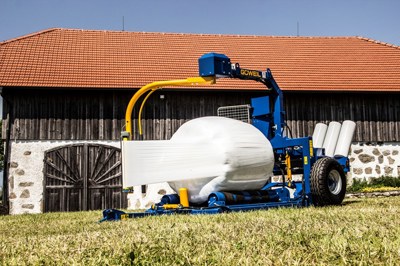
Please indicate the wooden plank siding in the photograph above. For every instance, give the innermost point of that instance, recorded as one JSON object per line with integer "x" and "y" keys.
{"x": 100, "y": 114}
{"x": 49, "y": 114}
{"x": 377, "y": 115}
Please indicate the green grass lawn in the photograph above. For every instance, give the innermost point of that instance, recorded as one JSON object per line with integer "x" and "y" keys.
{"x": 361, "y": 232}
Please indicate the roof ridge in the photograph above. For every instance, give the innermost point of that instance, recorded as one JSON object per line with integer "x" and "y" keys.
{"x": 378, "y": 42}
{"x": 204, "y": 34}
{"x": 244, "y": 35}
{"x": 180, "y": 33}
{"x": 29, "y": 35}
{"x": 215, "y": 34}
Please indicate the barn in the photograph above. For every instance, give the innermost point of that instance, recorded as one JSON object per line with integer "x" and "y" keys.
{"x": 65, "y": 92}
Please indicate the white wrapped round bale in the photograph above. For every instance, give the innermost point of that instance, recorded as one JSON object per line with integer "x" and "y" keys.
{"x": 242, "y": 155}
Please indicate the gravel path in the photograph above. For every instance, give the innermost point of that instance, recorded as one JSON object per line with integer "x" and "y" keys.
{"x": 373, "y": 194}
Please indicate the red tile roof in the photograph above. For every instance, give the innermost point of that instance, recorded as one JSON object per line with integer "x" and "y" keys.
{"x": 117, "y": 59}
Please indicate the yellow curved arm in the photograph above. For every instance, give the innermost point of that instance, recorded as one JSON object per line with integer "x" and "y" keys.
{"x": 157, "y": 85}
{"x": 141, "y": 110}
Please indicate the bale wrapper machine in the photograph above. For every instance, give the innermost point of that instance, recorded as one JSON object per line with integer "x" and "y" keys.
{"x": 323, "y": 178}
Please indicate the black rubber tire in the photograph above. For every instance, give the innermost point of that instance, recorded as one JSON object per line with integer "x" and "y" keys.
{"x": 322, "y": 185}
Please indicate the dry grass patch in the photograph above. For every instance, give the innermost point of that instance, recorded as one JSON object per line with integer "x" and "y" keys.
{"x": 362, "y": 232}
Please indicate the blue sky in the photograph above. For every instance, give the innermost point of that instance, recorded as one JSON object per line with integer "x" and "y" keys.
{"x": 376, "y": 19}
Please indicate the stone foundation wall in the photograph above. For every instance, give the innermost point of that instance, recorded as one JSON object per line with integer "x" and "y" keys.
{"x": 26, "y": 179}
{"x": 26, "y": 172}
{"x": 138, "y": 200}
{"x": 370, "y": 161}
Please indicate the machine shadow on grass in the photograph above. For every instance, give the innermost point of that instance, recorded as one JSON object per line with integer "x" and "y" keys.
{"x": 349, "y": 202}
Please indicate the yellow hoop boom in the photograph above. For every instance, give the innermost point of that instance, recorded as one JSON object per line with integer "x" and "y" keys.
{"x": 158, "y": 85}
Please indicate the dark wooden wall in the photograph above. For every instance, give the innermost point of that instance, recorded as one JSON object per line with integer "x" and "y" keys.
{"x": 52, "y": 114}
{"x": 377, "y": 115}
{"x": 100, "y": 114}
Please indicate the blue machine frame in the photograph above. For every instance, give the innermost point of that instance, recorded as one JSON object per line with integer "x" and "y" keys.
{"x": 268, "y": 116}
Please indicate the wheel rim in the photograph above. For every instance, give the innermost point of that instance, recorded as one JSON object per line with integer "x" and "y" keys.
{"x": 334, "y": 182}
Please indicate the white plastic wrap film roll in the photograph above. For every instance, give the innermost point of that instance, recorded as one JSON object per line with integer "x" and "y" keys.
{"x": 331, "y": 138}
{"x": 319, "y": 135}
{"x": 205, "y": 155}
{"x": 345, "y": 138}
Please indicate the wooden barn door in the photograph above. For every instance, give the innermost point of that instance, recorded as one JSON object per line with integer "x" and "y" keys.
{"x": 83, "y": 177}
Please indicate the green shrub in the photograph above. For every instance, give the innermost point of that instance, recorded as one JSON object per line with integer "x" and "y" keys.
{"x": 360, "y": 185}
{"x": 386, "y": 181}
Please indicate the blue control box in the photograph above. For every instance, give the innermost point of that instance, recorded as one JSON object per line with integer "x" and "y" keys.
{"x": 213, "y": 64}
